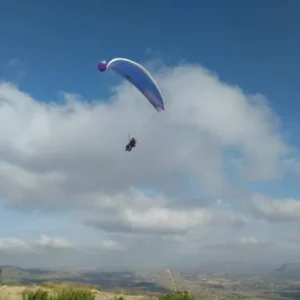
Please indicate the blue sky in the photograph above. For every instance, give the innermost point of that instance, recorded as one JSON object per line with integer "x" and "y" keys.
{"x": 254, "y": 44}
{"x": 48, "y": 50}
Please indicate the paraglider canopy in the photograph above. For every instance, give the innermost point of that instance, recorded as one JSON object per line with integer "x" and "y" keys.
{"x": 137, "y": 75}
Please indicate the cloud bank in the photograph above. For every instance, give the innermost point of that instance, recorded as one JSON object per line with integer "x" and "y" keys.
{"x": 196, "y": 158}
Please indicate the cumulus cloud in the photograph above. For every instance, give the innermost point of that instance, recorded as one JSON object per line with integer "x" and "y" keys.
{"x": 13, "y": 244}
{"x": 44, "y": 243}
{"x": 111, "y": 245}
{"x": 276, "y": 210}
{"x": 249, "y": 240}
{"x": 71, "y": 156}
{"x": 71, "y": 148}
{"x": 132, "y": 212}
{"x": 53, "y": 242}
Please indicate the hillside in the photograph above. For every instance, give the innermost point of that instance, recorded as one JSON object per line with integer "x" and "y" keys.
{"x": 107, "y": 281}
{"x": 149, "y": 285}
{"x": 15, "y": 293}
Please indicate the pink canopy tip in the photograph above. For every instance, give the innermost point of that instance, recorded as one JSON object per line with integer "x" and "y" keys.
{"x": 102, "y": 66}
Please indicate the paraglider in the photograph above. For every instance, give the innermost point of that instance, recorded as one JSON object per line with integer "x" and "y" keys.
{"x": 139, "y": 77}
{"x": 131, "y": 144}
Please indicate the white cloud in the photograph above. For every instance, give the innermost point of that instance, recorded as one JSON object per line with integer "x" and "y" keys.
{"x": 276, "y": 210}
{"x": 11, "y": 244}
{"x": 111, "y": 245}
{"x": 43, "y": 243}
{"x": 204, "y": 117}
{"x": 249, "y": 240}
{"x": 71, "y": 156}
{"x": 53, "y": 242}
{"x": 134, "y": 213}
{"x": 164, "y": 220}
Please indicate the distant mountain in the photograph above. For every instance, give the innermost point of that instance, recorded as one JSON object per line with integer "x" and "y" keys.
{"x": 105, "y": 280}
{"x": 290, "y": 268}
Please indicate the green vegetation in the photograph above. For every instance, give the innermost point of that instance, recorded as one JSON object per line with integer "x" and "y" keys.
{"x": 35, "y": 295}
{"x": 177, "y": 296}
{"x": 59, "y": 294}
